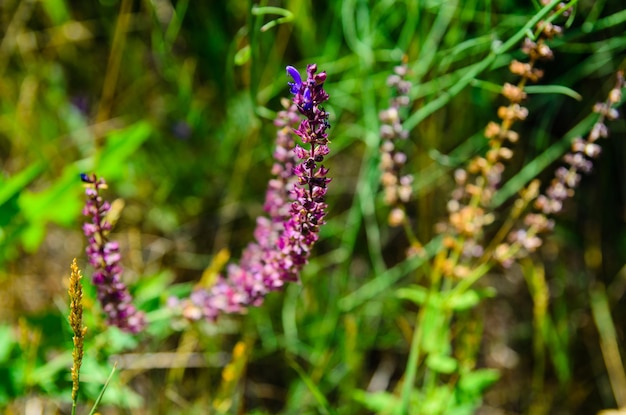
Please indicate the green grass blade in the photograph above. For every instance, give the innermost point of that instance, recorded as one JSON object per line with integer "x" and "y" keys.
{"x": 104, "y": 387}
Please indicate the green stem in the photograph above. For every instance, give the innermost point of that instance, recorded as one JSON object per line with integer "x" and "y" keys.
{"x": 412, "y": 364}
{"x": 468, "y": 281}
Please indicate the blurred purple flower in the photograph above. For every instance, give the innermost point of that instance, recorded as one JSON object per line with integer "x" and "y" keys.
{"x": 182, "y": 130}
{"x": 81, "y": 103}
{"x": 104, "y": 256}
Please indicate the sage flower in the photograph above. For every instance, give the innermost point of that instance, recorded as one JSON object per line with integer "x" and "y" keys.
{"x": 294, "y": 203}
{"x": 104, "y": 256}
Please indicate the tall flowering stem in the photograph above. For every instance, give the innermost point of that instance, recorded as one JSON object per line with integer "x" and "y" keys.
{"x": 104, "y": 256}
{"x": 527, "y": 237}
{"x": 294, "y": 203}
{"x": 469, "y": 210}
{"x": 397, "y": 189}
{"x": 75, "y": 292}
{"x": 308, "y": 209}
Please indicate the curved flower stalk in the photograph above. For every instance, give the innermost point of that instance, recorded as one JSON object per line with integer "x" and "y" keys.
{"x": 397, "y": 189}
{"x": 294, "y": 202}
{"x": 469, "y": 209}
{"x": 579, "y": 160}
{"x": 104, "y": 256}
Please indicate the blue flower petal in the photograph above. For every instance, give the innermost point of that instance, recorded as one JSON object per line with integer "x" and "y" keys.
{"x": 297, "y": 79}
{"x": 308, "y": 101}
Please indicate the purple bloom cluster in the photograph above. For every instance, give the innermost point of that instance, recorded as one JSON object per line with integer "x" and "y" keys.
{"x": 104, "y": 257}
{"x": 294, "y": 203}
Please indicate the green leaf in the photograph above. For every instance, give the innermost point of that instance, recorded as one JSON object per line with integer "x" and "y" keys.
{"x": 376, "y": 401}
{"x": 33, "y": 235}
{"x": 381, "y": 285}
{"x": 242, "y": 56}
{"x": 15, "y": 184}
{"x": 44, "y": 375}
{"x": 56, "y": 202}
{"x": 435, "y": 330}
{"x": 442, "y": 363}
{"x": 324, "y": 405}
{"x": 120, "y": 145}
{"x": 59, "y": 203}
{"x": 152, "y": 287}
{"x": 436, "y": 401}
{"x": 474, "y": 383}
{"x": 259, "y": 11}
{"x": 468, "y": 299}
{"x": 57, "y": 11}
{"x": 553, "y": 89}
{"x": 104, "y": 388}
{"x": 6, "y": 345}
{"x": 118, "y": 341}
{"x": 416, "y": 293}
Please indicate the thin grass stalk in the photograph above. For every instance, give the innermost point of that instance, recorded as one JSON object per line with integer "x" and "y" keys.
{"x": 115, "y": 59}
{"x": 609, "y": 343}
{"x": 535, "y": 278}
{"x": 412, "y": 362}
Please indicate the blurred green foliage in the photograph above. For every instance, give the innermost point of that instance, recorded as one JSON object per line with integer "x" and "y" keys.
{"x": 172, "y": 102}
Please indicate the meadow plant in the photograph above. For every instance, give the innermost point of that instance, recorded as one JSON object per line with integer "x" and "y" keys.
{"x": 476, "y": 237}
{"x": 294, "y": 202}
{"x": 445, "y": 326}
{"x": 579, "y": 160}
{"x": 75, "y": 292}
{"x": 469, "y": 208}
{"x": 397, "y": 187}
{"x": 104, "y": 256}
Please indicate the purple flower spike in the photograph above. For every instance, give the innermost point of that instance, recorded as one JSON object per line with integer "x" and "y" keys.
{"x": 104, "y": 256}
{"x": 294, "y": 202}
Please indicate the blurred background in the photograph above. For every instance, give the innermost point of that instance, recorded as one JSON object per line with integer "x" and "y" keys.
{"x": 173, "y": 103}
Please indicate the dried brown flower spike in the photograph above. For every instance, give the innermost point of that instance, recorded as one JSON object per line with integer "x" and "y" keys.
{"x": 75, "y": 291}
